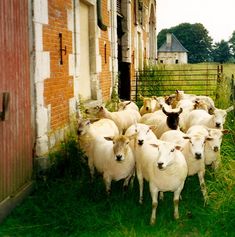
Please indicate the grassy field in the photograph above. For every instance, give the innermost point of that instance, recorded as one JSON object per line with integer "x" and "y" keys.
{"x": 65, "y": 203}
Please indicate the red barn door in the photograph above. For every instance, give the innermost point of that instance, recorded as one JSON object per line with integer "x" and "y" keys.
{"x": 15, "y": 107}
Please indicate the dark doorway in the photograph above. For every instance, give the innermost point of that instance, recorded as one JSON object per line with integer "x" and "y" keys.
{"x": 124, "y": 71}
{"x": 124, "y": 80}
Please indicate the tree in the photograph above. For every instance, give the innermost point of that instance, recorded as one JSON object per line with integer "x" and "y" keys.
{"x": 194, "y": 37}
{"x": 221, "y": 52}
{"x": 232, "y": 43}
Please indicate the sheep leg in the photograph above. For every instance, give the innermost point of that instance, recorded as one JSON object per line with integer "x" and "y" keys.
{"x": 203, "y": 185}
{"x": 176, "y": 201}
{"x": 161, "y": 196}
{"x": 91, "y": 168}
{"x": 154, "y": 195}
{"x": 107, "y": 181}
{"x": 141, "y": 185}
{"x": 216, "y": 163}
{"x": 126, "y": 181}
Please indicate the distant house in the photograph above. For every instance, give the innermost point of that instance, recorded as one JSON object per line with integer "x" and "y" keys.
{"x": 172, "y": 51}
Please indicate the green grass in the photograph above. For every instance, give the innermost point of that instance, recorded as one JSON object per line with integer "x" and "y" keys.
{"x": 67, "y": 204}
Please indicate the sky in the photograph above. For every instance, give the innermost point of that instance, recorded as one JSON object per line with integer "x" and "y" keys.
{"x": 217, "y": 16}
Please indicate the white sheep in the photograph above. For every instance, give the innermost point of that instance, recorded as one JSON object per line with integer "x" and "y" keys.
{"x": 150, "y": 104}
{"x": 201, "y": 117}
{"x": 143, "y": 133}
{"x": 123, "y": 105}
{"x": 165, "y": 168}
{"x": 88, "y": 132}
{"x": 212, "y": 146}
{"x": 123, "y": 119}
{"x": 189, "y": 105}
{"x": 208, "y": 101}
{"x": 179, "y": 95}
{"x": 114, "y": 159}
{"x": 193, "y": 149}
{"x": 163, "y": 120}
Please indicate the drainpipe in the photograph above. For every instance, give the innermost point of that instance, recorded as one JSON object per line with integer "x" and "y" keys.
{"x": 99, "y": 16}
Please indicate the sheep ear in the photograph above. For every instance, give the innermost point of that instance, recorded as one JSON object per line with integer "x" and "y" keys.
{"x": 141, "y": 97}
{"x": 180, "y": 111}
{"x": 178, "y": 147}
{"x": 229, "y": 109}
{"x": 155, "y": 98}
{"x": 132, "y": 136}
{"x": 155, "y": 145}
{"x": 92, "y": 120}
{"x": 125, "y": 104}
{"x": 108, "y": 138}
{"x": 209, "y": 138}
{"x": 225, "y": 131}
{"x": 186, "y": 137}
{"x": 164, "y": 111}
{"x": 152, "y": 127}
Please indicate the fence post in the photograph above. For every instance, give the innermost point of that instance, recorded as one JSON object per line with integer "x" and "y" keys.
{"x": 233, "y": 93}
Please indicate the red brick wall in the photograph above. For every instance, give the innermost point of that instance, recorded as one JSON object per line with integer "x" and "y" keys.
{"x": 105, "y": 75}
{"x": 58, "y": 89}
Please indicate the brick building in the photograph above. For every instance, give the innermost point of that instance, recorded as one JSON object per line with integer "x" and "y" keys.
{"x": 85, "y": 50}
{"x": 55, "y": 54}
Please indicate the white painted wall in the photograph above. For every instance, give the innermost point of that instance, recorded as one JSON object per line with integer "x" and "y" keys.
{"x": 170, "y": 58}
{"x": 41, "y": 72}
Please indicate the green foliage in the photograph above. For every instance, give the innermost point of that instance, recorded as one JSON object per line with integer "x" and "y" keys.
{"x": 67, "y": 161}
{"x": 112, "y": 104}
{"x": 221, "y": 52}
{"x": 194, "y": 37}
{"x": 232, "y": 43}
{"x": 223, "y": 92}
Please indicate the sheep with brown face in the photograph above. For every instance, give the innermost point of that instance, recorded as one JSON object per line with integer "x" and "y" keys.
{"x": 114, "y": 159}
{"x": 150, "y": 104}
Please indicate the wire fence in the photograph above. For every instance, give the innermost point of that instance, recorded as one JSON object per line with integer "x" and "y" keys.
{"x": 161, "y": 82}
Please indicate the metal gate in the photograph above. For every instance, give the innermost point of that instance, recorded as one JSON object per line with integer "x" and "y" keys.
{"x": 196, "y": 79}
{"x": 15, "y": 107}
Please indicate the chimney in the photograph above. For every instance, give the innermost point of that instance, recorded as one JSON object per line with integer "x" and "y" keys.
{"x": 169, "y": 39}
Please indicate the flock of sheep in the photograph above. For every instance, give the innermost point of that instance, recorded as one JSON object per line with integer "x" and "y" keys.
{"x": 163, "y": 142}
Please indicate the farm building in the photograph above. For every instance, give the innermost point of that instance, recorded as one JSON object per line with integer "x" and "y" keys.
{"x": 172, "y": 51}
{"x": 55, "y": 54}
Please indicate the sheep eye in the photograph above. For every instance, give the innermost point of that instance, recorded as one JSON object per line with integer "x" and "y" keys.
{"x": 172, "y": 150}
{"x": 148, "y": 131}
